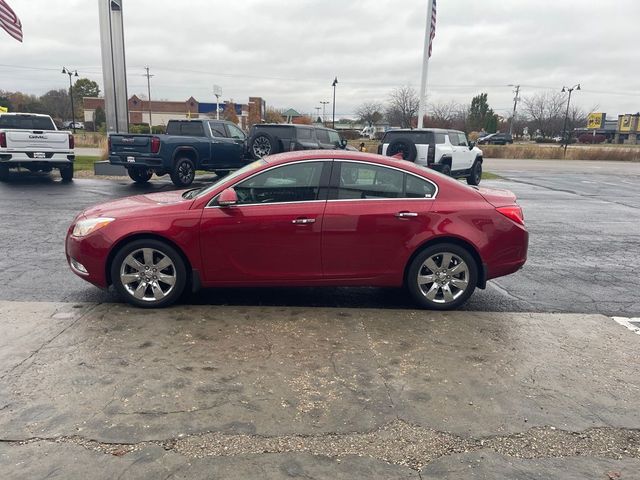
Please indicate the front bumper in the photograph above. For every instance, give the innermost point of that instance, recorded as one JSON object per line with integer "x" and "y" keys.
{"x": 91, "y": 253}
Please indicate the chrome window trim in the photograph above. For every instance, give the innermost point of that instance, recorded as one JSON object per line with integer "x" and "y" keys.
{"x": 433, "y": 197}
{"x": 266, "y": 170}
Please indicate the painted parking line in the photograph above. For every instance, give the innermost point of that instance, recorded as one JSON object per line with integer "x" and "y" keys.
{"x": 632, "y": 324}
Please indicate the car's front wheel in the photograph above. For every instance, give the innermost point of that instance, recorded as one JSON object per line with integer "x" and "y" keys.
{"x": 476, "y": 173}
{"x": 149, "y": 273}
{"x": 140, "y": 175}
{"x": 442, "y": 277}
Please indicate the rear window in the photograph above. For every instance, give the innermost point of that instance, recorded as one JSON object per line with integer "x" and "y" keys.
{"x": 421, "y": 138}
{"x": 305, "y": 134}
{"x": 187, "y": 129}
{"x": 26, "y": 122}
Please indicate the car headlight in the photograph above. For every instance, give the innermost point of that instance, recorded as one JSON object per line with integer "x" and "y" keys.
{"x": 90, "y": 225}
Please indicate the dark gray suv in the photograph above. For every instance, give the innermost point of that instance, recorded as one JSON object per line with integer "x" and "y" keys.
{"x": 269, "y": 138}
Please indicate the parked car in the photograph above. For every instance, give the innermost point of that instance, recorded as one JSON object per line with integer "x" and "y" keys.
{"x": 312, "y": 218}
{"x": 496, "y": 139}
{"x": 32, "y": 141}
{"x": 70, "y": 125}
{"x": 447, "y": 151}
{"x": 269, "y": 138}
{"x": 188, "y": 145}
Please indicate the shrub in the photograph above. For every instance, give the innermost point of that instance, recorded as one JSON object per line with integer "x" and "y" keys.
{"x": 590, "y": 138}
{"x": 350, "y": 134}
{"x": 138, "y": 128}
{"x": 158, "y": 129}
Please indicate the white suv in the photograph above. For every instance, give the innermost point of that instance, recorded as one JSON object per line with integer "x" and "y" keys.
{"x": 447, "y": 151}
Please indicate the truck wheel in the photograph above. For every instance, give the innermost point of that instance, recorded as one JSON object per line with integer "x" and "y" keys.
{"x": 139, "y": 175}
{"x": 183, "y": 172}
{"x": 476, "y": 173}
{"x": 446, "y": 169}
{"x": 262, "y": 145}
{"x": 4, "y": 173}
{"x": 66, "y": 173}
{"x": 405, "y": 146}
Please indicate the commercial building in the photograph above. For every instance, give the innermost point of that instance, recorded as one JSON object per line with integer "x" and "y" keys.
{"x": 163, "y": 111}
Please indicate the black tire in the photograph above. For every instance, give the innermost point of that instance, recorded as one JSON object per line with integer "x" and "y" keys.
{"x": 405, "y": 146}
{"x": 476, "y": 173}
{"x": 139, "y": 175}
{"x": 183, "y": 173}
{"x": 4, "y": 173}
{"x": 446, "y": 169}
{"x": 178, "y": 269}
{"x": 263, "y": 144}
{"x": 470, "y": 275}
{"x": 66, "y": 173}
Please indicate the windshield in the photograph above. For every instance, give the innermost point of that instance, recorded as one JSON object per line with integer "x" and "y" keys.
{"x": 26, "y": 122}
{"x": 204, "y": 190}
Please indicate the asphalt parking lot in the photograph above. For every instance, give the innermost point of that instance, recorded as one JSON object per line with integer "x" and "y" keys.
{"x": 584, "y": 220}
{"x": 532, "y": 381}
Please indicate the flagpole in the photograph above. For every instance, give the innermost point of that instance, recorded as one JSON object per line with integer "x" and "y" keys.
{"x": 422, "y": 109}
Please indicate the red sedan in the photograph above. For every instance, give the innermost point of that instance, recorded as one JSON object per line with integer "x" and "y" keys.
{"x": 312, "y": 218}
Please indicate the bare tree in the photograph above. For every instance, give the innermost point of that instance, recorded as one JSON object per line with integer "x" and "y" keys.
{"x": 443, "y": 115}
{"x": 546, "y": 112}
{"x": 402, "y": 107}
{"x": 370, "y": 113}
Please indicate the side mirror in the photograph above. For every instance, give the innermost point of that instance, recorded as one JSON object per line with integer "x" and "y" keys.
{"x": 343, "y": 143}
{"x": 471, "y": 145}
{"x": 228, "y": 198}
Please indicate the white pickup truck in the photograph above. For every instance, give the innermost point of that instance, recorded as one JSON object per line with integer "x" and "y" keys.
{"x": 32, "y": 141}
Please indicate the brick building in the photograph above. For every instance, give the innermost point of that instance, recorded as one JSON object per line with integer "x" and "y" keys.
{"x": 163, "y": 111}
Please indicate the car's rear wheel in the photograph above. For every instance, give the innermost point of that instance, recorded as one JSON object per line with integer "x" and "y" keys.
{"x": 66, "y": 173}
{"x": 404, "y": 146}
{"x": 183, "y": 173}
{"x": 442, "y": 276}
{"x": 476, "y": 173}
{"x": 262, "y": 145}
{"x": 140, "y": 175}
{"x": 446, "y": 169}
{"x": 149, "y": 273}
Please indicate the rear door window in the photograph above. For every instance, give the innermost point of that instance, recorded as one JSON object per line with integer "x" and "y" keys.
{"x": 305, "y": 134}
{"x": 235, "y": 132}
{"x": 364, "y": 181}
{"x": 323, "y": 136}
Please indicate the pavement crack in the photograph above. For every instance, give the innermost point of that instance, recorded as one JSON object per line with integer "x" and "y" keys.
{"x": 397, "y": 442}
{"x": 47, "y": 342}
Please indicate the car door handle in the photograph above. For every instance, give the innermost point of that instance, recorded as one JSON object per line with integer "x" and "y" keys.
{"x": 406, "y": 214}
{"x": 303, "y": 221}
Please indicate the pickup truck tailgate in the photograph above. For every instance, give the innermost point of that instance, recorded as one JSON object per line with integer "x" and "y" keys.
{"x": 36, "y": 140}
{"x": 130, "y": 143}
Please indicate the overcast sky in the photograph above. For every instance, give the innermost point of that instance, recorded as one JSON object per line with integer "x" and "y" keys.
{"x": 289, "y": 51}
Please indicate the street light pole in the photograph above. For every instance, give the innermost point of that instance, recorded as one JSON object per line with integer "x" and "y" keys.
{"x": 566, "y": 115}
{"x": 335, "y": 82}
{"x": 66, "y": 71}
{"x": 317, "y": 112}
{"x": 324, "y": 115}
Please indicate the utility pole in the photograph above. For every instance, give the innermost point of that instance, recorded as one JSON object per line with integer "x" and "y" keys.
{"x": 324, "y": 115}
{"x": 334, "y": 84}
{"x": 565, "y": 135}
{"x": 148, "y": 75}
{"x": 515, "y": 106}
{"x": 66, "y": 71}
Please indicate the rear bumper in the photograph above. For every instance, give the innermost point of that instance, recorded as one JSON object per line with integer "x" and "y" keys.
{"x": 136, "y": 161}
{"x": 53, "y": 159}
{"x": 512, "y": 257}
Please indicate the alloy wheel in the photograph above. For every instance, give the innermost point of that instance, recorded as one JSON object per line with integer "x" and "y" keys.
{"x": 148, "y": 274}
{"x": 261, "y": 147}
{"x": 443, "y": 277}
{"x": 185, "y": 172}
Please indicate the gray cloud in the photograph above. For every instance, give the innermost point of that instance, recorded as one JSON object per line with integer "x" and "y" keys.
{"x": 288, "y": 51}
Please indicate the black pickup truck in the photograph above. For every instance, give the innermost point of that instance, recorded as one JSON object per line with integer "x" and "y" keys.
{"x": 188, "y": 145}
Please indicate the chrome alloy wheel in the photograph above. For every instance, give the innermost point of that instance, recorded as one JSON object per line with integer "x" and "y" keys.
{"x": 443, "y": 277}
{"x": 261, "y": 146}
{"x": 148, "y": 274}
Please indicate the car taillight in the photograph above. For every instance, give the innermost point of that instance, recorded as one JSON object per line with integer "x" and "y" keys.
{"x": 155, "y": 145}
{"x": 3, "y": 140}
{"x": 431, "y": 154}
{"x": 72, "y": 142}
{"x": 513, "y": 212}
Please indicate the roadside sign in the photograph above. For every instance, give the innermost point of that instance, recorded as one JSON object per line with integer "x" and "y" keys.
{"x": 595, "y": 120}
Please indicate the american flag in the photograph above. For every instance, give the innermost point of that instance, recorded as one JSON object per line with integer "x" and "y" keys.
{"x": 10, "y": 21}
{"x": 433, "y": 27}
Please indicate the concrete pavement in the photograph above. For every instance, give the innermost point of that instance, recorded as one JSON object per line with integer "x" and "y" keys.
{"x": 269, "y": 392}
